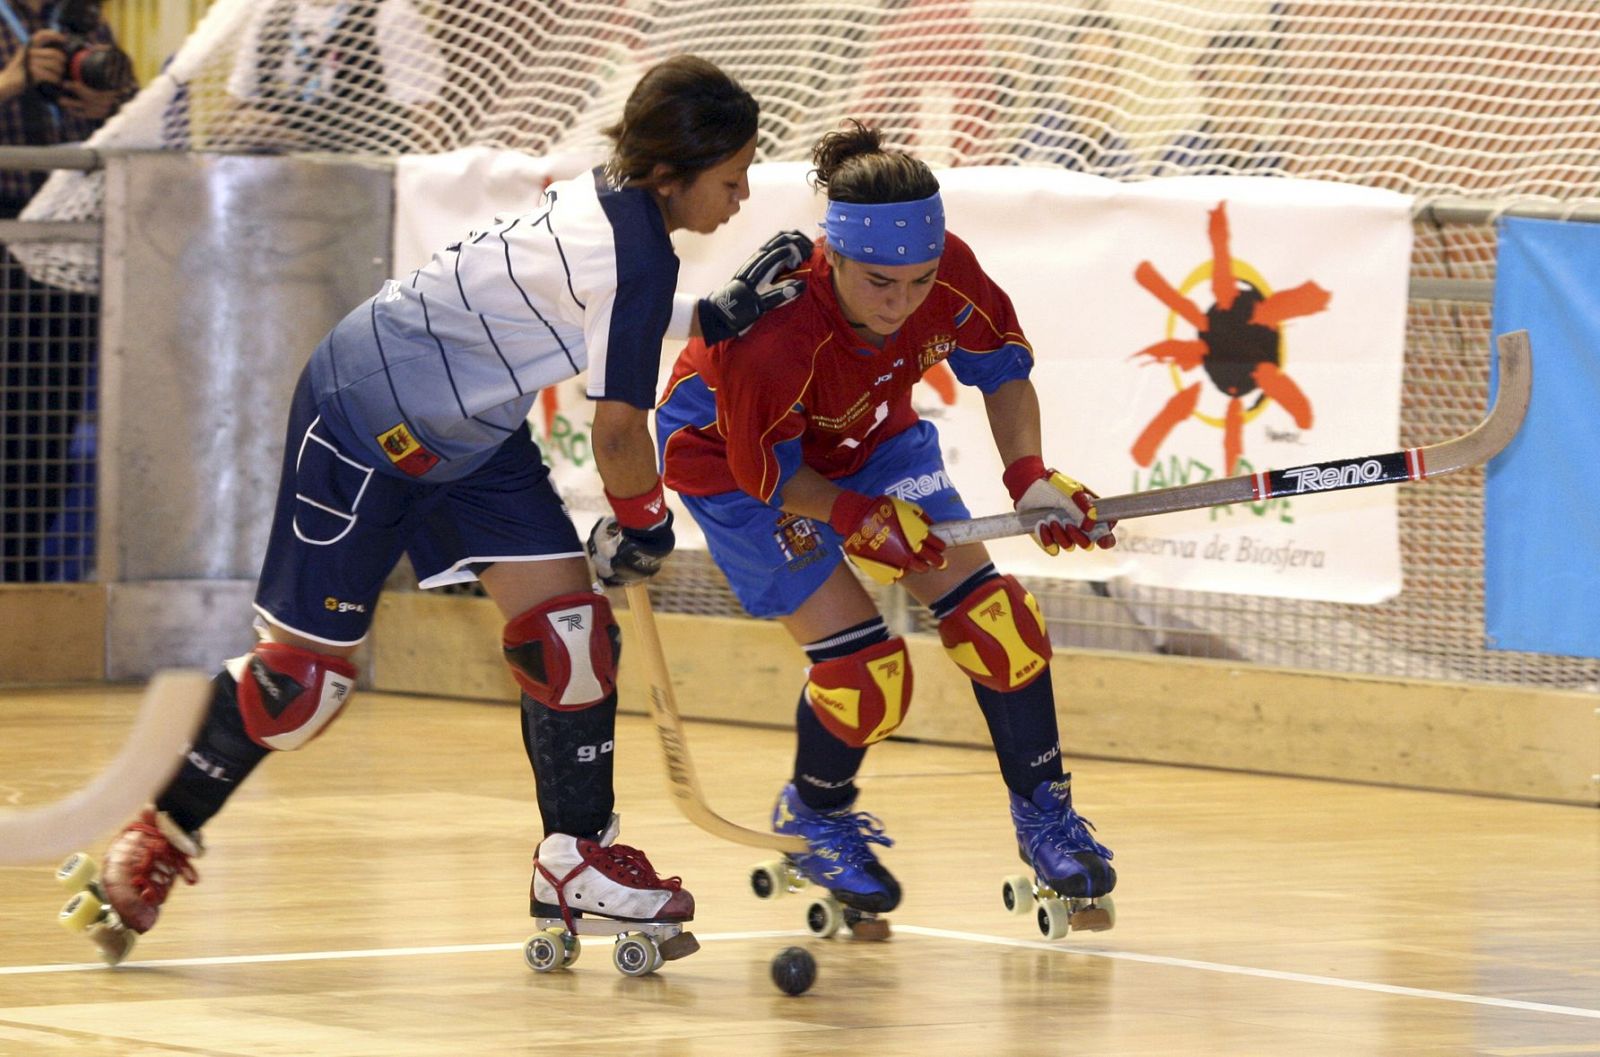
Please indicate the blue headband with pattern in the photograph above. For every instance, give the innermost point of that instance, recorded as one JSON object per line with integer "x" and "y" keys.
{"x": 887, "y": 232}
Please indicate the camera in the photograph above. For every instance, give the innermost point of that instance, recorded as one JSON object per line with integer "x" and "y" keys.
{"x": 103, "y": 67}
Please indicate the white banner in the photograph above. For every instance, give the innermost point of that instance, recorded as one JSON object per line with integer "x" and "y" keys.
{"x": 1144, "y": 380}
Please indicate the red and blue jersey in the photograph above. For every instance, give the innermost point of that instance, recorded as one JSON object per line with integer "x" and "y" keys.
{"x": 802, "y": 388}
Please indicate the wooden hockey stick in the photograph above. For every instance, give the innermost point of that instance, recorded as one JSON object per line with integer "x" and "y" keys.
{"x": 682, "y": 780}
{"x": 1412, "y": 464}
{"x": 174, "y": 703}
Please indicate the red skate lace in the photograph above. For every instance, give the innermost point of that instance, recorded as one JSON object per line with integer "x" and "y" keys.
{"x": 157, "y": 864}
{"x": 628, "y": 865}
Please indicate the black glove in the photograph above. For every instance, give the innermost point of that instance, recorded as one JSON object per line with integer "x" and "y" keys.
{"x": 628, "y": 555}
{"x": 734, "y": 309}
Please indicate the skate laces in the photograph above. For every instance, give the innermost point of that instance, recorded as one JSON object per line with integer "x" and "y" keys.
{"x": 848, "y": 833}
{"x": 1063, "y": 829}
{"x": 627, "y": 865}
{"x": 156, "y": 862}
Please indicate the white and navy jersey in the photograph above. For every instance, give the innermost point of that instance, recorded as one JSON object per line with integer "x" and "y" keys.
{"x": 429, "y": 376}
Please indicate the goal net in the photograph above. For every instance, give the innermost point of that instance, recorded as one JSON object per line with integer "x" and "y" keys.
{"x": 1489, "y": 100}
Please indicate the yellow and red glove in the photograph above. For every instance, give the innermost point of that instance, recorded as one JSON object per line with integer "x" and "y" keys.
{"x": 1072, "y": 521}
{"x": 886, "y": 537}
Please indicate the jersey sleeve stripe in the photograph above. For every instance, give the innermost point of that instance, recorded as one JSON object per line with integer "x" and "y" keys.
{"x": 512, "y": 275}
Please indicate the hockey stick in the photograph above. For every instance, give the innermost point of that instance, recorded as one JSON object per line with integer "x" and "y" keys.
{"x": 682, "y": 780}
{"x": 1412, "y": 464}
{"x": 174, "y": 703}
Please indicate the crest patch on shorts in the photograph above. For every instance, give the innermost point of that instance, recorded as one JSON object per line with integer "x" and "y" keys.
{"x": 406, "y": 453}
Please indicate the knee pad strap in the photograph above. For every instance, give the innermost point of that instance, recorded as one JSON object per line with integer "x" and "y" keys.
{"x": 997, "y": 635}
{"x": 861, "y": 698}
{"x": 288, "y": 695}
{"x": 564, "y": 651}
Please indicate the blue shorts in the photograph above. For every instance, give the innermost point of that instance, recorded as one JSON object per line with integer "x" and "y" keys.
{"x": 341, "y": 526}
{"x": 775, "y": 561}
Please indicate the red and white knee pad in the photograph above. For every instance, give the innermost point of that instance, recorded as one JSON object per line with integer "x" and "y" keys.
{"x": 564, "y": 651}
{"x": 997, "y": 635}
{"x": 863, "y": 697}
{"x": 288, "y": 695}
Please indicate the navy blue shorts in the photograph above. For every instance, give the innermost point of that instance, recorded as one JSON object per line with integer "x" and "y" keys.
{"x": 775, "y": 561}
{"x": 341, "y": 526}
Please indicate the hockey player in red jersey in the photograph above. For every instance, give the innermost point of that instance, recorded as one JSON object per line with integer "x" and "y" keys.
{"x": 796, "y": 447}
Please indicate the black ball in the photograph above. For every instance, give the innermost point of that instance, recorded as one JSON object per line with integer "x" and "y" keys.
{"x": 794, "y": 970}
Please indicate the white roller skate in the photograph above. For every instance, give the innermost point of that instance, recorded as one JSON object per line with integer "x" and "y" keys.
{"x": 598, "y": 887}
{"x": 112, "y": 908}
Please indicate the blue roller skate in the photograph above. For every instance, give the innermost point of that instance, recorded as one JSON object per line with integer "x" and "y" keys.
{"x": 1072, "y": 875}
{"x": 840, "y": 860}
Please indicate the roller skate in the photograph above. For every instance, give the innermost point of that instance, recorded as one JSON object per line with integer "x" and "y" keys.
{"x": 619, "y": 891}
{"x": 1072, "y": 875}
{"x": 113, "y": 908}
{"x": 840, "y": 860}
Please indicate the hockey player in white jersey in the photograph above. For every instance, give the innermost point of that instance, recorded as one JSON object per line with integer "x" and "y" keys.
{"x": 408, "y": 434}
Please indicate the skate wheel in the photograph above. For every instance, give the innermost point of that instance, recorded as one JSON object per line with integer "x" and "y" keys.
{"x": 1017, "y": 894}
{"x": 546, "y": 951}
{"x": 824, "y": 917}
{"x": 635, "y": 955}
{"x": 80, "y": 912}
{"x": 77, "y": 871}
{"x": 1054, "y": 919}
{"x": 1093, "y": 915}
{"x": 767, "y": 879}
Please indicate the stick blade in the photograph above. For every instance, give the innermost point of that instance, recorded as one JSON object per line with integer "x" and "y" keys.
{"x": 169, "y": 715}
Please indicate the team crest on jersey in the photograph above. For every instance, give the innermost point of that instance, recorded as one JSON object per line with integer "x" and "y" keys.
{"x": 798, "y": 539}
{"x": 405, "y": 452}
{"x": 937, "y": 348}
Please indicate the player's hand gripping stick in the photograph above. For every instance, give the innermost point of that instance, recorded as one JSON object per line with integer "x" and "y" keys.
{"x": 630, "y": 545}
{"x": 886, "y": 537}
{"x": 754, "y": 290}
{"x": 1070, "y": 520}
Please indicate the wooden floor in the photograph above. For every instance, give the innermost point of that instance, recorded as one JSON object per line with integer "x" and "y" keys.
{"x": 367, "y": 897}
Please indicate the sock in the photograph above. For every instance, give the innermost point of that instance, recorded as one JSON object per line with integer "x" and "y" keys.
{"x": 221, "y": 757}
{"x": 1022, "y": 723}
{"x": 572, "y": 753}
{"x": 825, "y": 767}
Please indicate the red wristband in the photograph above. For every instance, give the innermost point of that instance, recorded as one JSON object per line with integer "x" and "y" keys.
{"x": 1022, "y": 473}
{"x": 849, "y": 510}
{"x": 644, "y": 511}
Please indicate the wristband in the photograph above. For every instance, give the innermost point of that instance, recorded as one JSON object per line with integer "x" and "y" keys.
{"x": 849, "y": 510}
{"x": 644, "y": 511}
{"x": 1022, "y": 473}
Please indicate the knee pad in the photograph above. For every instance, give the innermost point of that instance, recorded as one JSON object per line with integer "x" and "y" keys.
{"x": 997, "y": 635}
{"x": 288, "y": 695}
{"x": 564, "y": 651}
{"x": 861, "y": 698}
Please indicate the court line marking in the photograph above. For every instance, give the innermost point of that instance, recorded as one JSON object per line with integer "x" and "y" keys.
{"x": 900, "y": 929}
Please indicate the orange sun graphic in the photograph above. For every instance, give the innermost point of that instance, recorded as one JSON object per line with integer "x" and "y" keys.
{"x": 1238, "y": 343}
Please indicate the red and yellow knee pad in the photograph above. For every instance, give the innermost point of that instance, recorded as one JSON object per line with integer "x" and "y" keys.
{"x": 863, "y": 697}
{"x": 997, "y": 635}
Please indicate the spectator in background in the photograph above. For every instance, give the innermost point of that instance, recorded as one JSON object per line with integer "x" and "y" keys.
{"x": 929, "y": 82}
{"x": 1235, "y": 75}
{"x": 48, "y": 337}
{"x": 333, "y": 75}
{"x": 1069, "y": 88}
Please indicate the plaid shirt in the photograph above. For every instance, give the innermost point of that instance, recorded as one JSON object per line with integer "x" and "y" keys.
{"x": 17, "y": 187}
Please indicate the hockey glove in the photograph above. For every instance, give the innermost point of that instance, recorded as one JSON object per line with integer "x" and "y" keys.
{"x": 886, "y": 537}
{"x": 630, "y": 545}
{"x": 734, "y": 309}
{"x": 1071, "y": 522}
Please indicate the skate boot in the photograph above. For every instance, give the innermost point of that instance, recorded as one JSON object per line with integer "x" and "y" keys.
{"x": 1072, "y": 875}
{"x": 841, "y": 860}
{"x": 598, "y": 887}
{"x": 142, "y": 864}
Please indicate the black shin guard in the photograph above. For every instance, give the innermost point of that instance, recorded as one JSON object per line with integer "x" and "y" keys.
{"x": 1022, "y": 724}
{"x": 221, "y": 757}
{"x": 571, "y": 753}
